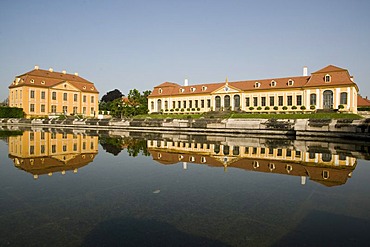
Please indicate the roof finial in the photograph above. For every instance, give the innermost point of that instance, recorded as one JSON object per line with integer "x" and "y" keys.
{"x": 227, "y": 81}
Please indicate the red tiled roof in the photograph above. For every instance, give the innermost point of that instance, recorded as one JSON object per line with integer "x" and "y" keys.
{"x": 362, "y": 102}
{"x": 338, "y": 75}
{"x": 47, "y": 79}
{"x": 329, "y": 68}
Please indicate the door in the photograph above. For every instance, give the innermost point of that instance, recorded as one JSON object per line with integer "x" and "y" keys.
{"x": 236, "y": 103}
{"x": 328, "y": 99}
{"x": 218, "y": 103}
{"x": 159, "y": 105}
{"x": 227, "y": 102}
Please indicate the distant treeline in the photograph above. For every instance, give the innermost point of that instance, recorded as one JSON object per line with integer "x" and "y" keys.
{"x": 11, "y": 112}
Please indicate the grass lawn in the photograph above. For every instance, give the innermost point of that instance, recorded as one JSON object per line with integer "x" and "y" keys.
{"x": 163, "y": 116}
{"x": 298, "y": 116}
{"x": 253, "y": 115}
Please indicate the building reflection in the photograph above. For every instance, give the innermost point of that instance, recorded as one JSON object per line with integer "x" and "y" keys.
{"x": 314, "y": 160}
{"x": 41, "y": 152}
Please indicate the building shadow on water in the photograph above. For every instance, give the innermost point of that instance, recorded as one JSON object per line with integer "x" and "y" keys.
{"x": 137, "y": 232}
{"x": 320, "y": 228}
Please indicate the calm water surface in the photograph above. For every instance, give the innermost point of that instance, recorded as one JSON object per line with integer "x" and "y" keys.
{"x": 135, "y": 189}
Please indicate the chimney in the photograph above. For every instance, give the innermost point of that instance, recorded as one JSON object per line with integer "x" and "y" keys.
{"x": 305, "y": 71}
{"x": 76, "y": 74}
{"x": 64, "y": 72}
{"x": 51, "y": 69}
{"x": 186, "y": 82}
{"x": 36, "y": 67}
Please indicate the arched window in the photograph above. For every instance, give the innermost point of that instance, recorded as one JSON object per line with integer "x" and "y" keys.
{"x": 326, "y": 157}
{"x": 227, "y": 102}
{"x": 159, "y": 105}
{"x": 273, "y": 83}
{"x": 327, "y": 78}
{"x": 328, "y": 99}
{"x": 218, "y": 103}
{"x": 236, "y": 102}
{"x": 217, "y": 148}
{"x": 257, "y": 84}
{"x": 226, "y": 150}
{"x": 290, "y": 82}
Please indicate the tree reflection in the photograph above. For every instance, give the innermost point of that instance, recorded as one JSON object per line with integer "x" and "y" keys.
{"x": 115, "y": 145}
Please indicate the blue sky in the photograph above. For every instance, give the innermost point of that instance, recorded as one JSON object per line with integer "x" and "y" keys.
{"x": 140, "y": 44}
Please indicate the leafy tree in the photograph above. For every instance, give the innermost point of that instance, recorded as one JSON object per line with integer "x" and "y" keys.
{"x": 112, "y": 95}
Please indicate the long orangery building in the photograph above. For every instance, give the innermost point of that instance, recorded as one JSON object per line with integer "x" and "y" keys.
{"x": 44, "y": 93}
{"x": 328, "y": 88}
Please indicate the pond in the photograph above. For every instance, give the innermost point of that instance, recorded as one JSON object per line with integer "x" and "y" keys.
{"x": 116, "y": 188}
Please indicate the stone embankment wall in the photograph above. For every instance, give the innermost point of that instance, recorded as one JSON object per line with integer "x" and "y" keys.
{"x": 341, "y": 128}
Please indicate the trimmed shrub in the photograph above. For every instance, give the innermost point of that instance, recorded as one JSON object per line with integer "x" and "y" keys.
{"x": 276, "y": 108}
{"x": 294, "y": 107}
{"x": 182, "y": 109}
{"x": 198, "y": 109}
{"x": 267, "y": 108}
{"x": 303, "y": 108}
{"x": 312, "y": 107}
{"x": 259, "y": 108}
{"x": 188, "y": 109}
{"x": 285, "y": 108}
{"x": 251, "y": 108}
{"x": 193, "y": 109}
{"x": 171, "y": 110}
{"x": 11, "y": 112}
{"x": 340, "y": 106}
{"x": 177, "y": 109}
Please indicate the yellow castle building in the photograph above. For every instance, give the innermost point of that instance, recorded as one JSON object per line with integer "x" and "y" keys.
{"x": 328, "y": 88}
{"x": 44, "y": 93}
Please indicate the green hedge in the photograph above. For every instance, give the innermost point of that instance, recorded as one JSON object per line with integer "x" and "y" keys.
{"x": 363, "y": 108}
{"x": 11, "y": 112}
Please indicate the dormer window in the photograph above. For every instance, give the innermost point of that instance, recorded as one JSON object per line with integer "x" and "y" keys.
{"x": 257, "y": 84}
{"x": 204, "y": 88}
{"x": 92, "y": 88}
{"x": 271, "y": 166}
{"x": 160, "y": 90}
{"x": 42, "y": 82}
{"x": 84, "y": 87}
{"x": 327, "y": 78}
{"x": 192, "y": 89}
{"x": 273, "y": 83}
{"x": 181, "y": 90}
{"x": 290, "y": 82}
{"x": 32, "y": 81}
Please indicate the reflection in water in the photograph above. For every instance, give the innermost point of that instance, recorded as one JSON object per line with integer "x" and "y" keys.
{"x": 330, "y": 164}
{"x": 315, "y": 160}
{"x": 41, "y": 152}
{"x": 122, "y": 198}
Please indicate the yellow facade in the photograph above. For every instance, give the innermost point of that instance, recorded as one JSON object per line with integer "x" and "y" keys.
{"x": 329, "y": 88}
{"x": 47, "y": 152}
{"x": 328, "y": 168}
{"x": 40, "y": 95}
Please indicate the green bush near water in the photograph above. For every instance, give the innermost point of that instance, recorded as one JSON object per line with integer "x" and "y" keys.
{"x": 11, "y": 112}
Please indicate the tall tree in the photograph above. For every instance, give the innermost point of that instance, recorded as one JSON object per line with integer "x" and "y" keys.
{"x": 112, "y": 95}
